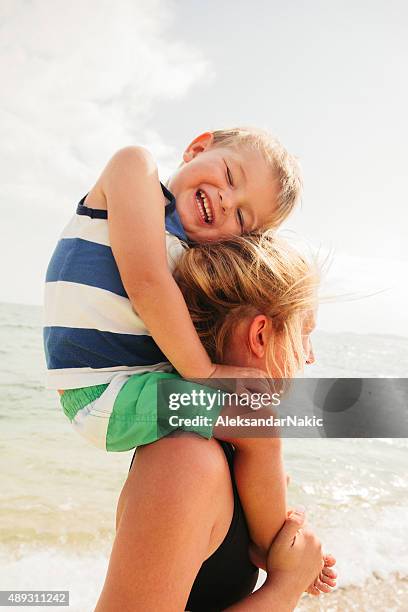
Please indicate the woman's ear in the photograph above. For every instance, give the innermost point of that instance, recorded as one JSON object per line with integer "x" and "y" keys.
{"x": 199, "y": 144}
{"x": 258, "y": 335}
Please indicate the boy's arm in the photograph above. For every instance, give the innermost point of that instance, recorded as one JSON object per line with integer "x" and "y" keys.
{"x": 135, "y": 202}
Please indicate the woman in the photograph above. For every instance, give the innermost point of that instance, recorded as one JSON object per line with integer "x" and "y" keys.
{"x": 179, "y": 520}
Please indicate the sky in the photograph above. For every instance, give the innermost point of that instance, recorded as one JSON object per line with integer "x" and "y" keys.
{"x": 84, "y": 78}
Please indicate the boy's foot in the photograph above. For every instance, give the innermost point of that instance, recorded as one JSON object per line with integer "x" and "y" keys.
{"x": 326, "y": 581}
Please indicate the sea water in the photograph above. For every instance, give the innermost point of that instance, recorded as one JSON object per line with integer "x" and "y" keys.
{"x": 58, "y": 495}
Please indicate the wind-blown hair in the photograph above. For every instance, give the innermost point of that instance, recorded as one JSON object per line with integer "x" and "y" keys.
{"x": 244, "y": 276}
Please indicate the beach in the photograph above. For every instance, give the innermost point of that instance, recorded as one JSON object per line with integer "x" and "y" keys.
{"x": 375, "y": 594}
{"x": 59, "y": 494}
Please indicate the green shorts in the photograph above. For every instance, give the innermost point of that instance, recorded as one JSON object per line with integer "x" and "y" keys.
{"x": 137, "y": 409}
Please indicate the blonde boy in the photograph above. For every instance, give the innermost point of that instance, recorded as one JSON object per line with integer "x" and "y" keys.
{"x": 116, "y": 321}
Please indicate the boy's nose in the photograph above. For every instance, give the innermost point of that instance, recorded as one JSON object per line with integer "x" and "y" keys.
{"x": 226, "y": 201}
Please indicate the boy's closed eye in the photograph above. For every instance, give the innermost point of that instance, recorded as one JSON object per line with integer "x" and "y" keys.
{"x": 229, "y": 176}
{"x": 240, "y": 216}
{"x": 241, "y": 220}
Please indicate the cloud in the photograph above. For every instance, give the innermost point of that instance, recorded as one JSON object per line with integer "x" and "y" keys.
{"x": 364, "y": 295}
{"x": 80, "y": 80}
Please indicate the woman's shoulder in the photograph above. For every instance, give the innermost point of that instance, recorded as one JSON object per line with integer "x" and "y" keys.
{"x": 204, "y": 457}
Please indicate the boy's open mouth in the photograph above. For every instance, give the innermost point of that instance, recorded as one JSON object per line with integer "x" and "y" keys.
{"x": 204, "y": 207}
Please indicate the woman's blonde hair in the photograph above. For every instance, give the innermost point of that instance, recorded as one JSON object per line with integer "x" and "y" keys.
{"x": 284, "y": 166}
{"x": 245, "y": 276}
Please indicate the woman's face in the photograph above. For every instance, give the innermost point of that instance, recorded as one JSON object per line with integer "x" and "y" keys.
{"x": 308, "y": 326}
{"x": 249, "y": 343}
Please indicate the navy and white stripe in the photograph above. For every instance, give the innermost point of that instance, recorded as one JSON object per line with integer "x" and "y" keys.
{"x": 91, "y": 331}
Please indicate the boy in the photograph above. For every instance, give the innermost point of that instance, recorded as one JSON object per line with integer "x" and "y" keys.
{"x": 115, "y": 316}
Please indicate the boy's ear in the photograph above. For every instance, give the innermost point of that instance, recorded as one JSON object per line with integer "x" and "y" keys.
{"x": 199, "y": 144}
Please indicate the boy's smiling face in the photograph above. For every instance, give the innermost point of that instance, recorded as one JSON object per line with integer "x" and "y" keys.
{"x": 223, "y": 191}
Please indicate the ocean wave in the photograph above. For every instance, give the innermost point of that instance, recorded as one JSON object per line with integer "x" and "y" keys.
{"x": 50, "y": 569}
{"x": 83, "y": 576}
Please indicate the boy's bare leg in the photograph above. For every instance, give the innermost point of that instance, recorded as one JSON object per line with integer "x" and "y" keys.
{"x": 261, "y": 482}
{"x": 260, "y": 478}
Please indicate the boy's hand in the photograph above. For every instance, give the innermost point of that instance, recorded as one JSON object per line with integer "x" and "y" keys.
{"x": 242, "y": 381}
{"x": 251, "y": 384}
{"x": 245, "y": 380}
{"x": 227, "y": 371}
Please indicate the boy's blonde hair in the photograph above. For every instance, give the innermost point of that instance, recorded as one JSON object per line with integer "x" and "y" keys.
{"x": 246, "y": 276}
{"x": 285, "y": 166}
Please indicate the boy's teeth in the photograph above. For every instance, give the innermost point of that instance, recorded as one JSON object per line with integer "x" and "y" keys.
{"x": 204, "y": 206}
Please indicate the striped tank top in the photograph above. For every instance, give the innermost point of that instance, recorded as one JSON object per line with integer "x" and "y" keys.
{"x": 91, "y": 332}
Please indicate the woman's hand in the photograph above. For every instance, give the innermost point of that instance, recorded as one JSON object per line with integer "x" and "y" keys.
{"x": 296, "y": 548}
{"x": 325, "y": 581}
{"x": 293, "y": 562}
